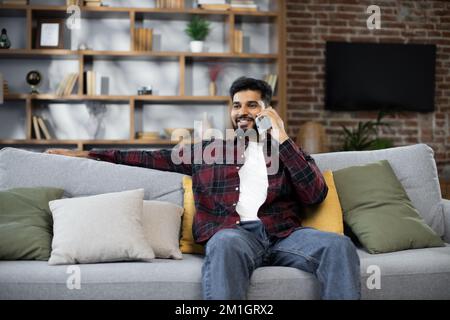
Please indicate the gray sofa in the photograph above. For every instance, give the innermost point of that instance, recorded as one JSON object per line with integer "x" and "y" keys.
{"x": 409, "y": 274}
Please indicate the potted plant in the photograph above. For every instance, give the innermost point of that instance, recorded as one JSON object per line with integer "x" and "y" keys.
{"x": 365, "y": 135}
{"x": 197, "y": 29}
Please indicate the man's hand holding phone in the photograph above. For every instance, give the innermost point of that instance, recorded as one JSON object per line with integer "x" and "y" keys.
{"x": 276, "y": 128}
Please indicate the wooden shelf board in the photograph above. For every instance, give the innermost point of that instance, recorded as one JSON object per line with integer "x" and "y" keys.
{"x": 19, "y": 53}
{"x": 125, "y": 98}
{"x": 182, "y": 98}
{"x": 39, "y": 53}
{"x": 12, "y": 11}
{"x": 61, "y": 10}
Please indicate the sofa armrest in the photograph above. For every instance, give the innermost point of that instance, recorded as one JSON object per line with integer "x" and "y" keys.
{"x": 446, "y": 204}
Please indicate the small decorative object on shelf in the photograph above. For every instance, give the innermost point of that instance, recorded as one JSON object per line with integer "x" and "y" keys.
{"x": 83, "y": 46}
{"x": 213, "y": 70}
{"x": 4, "y": 40}
{"x": 34, "y": 78}
{"x": 144, "y": 90}
{"x": 197, "y": 29}
{"x": 73, "y": 2}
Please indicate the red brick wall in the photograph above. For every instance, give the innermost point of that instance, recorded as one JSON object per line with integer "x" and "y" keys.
{"x": 310, "y": 23}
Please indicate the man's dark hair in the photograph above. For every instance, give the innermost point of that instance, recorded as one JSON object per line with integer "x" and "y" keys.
{"x": 244, "y": 83}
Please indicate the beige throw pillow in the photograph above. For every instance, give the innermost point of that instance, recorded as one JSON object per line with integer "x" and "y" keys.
{"x": 162, "y": 222}
{"x": 100, "y": 228}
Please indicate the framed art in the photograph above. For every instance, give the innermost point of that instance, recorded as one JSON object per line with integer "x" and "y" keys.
{"x": 49, "y": 34}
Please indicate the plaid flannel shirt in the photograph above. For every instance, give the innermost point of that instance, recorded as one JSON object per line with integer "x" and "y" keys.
{"x": 297, "y": 183}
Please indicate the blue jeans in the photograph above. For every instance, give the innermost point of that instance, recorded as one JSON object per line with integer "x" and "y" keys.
{"x": 233, "y": 254}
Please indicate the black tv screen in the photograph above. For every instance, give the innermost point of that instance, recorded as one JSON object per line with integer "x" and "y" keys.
{"x": 363, "y": 76}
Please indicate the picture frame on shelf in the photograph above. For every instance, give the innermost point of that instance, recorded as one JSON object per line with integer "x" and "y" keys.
{"x": 49, "y": 34}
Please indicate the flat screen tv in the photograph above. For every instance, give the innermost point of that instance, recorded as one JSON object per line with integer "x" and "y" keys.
{"x": 395, "y": 77}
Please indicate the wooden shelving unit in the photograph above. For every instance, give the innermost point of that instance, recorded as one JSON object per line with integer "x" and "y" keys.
{"x": 231, "y": 18}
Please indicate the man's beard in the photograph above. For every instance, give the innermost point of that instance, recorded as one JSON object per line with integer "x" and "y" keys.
{"x": 246, "y": 130}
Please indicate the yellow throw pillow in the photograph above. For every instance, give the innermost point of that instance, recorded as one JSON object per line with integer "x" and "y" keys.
{"x": 187, "y": 243}
{"x": 328, "y": 215}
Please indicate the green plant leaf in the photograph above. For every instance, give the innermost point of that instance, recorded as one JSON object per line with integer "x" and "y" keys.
{"x": 198, "y": 29}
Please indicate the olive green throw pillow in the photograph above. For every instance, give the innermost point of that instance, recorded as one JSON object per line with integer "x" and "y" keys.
{"x": 378, "y": 210}
{"x": 26, "y": 225}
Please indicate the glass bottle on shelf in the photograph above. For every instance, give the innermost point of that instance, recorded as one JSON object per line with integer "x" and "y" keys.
{"x": 4, "y": 40}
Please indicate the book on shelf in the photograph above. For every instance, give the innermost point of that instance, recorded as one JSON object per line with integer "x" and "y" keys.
{"x": 44, "y": 128}
{"x": 66, "y": 86}
{"x": 243, "y": 5}
{"x": 143, "y": 39}
{"x": 271, "y": 79}
{"x": 73, "y": 2}
{"x": 170, "y": 4}
{"x": 92, "y": 3}
{"x": 217, "y": 7}
{"x": 40, "y": 129}
{"x": 92, "y": 83}
{"x": 238, "y": 41}
{"x": 37, "y": 131}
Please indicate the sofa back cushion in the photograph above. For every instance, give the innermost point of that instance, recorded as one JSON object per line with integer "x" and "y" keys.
{"x": 414, "y": 167}
{"x": 85, "y": 177}
{"x": 378, "y": 210}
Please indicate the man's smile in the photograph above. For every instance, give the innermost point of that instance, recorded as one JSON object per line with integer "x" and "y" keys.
{"x": 244, "y": 122}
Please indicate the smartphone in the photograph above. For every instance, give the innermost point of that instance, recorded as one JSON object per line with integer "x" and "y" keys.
{"x": 263, "y": 124}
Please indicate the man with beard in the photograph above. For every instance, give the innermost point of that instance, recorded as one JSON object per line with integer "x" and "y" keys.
{"x": 248, "y": 217}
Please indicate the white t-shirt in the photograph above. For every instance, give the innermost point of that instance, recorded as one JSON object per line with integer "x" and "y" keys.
{"x": 253, "y": 182}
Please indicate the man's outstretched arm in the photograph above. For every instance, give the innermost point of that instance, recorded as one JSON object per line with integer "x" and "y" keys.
{"x": 158, "y": 159}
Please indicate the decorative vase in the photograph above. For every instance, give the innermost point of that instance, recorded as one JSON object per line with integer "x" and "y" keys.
{"x": 212, "y": 88}
{"x": 312, "y": 137}
{"x": 4, "y": 40}
{"x": 196, "y": 46}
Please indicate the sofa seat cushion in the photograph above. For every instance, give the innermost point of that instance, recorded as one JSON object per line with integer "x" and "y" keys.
{"x": 160, "y": 279}
{"x": 409, "y": 274}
